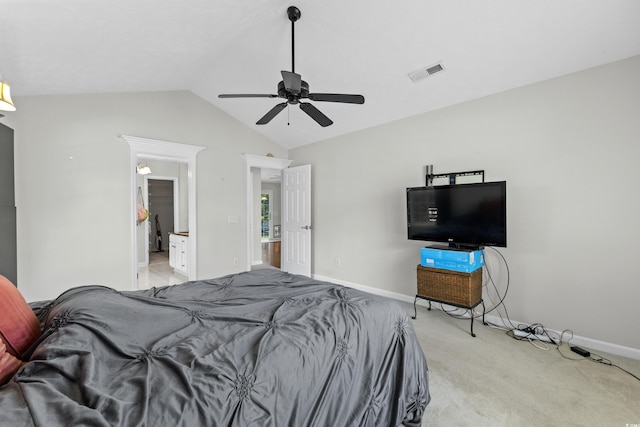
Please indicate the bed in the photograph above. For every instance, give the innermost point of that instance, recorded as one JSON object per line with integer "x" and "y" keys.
{"x": 262, "y": 348}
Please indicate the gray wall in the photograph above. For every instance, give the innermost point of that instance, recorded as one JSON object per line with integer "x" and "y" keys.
{"x": 568, "y": 149}
{"x": 8, "y": 246}
{"x": 73, "y": 188}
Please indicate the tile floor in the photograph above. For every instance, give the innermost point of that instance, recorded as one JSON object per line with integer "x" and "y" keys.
{"x": 158, "y": 272}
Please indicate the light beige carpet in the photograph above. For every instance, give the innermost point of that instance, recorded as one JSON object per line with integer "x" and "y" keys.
{"x": 494, "y": 380}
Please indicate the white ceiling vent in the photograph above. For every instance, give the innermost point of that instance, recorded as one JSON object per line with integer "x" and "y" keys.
{"x": 425, "y": 72}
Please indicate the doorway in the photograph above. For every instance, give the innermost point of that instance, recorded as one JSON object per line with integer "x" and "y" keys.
{"x": 163, "y": 201}
{"x": 145, "y": 148}
{"x": 270, "y": 217}
{"x": 296, "y": 218}
{"x": 253, "y": 165}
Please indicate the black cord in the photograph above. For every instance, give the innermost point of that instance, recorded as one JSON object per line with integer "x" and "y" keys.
{"x": 462, "y": 315}
{"x": 604, "y": 361}
{"x": 597, "y": 359}
{"x": 501, "y": 302}
{"x": 506, "y": 291}
{"x": 502, "y": 298}
{"x": 535, "y": 329}
{"x": 559, "y": 344}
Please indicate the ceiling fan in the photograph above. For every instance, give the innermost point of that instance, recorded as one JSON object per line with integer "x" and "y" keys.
{"x": 293, "y": 88}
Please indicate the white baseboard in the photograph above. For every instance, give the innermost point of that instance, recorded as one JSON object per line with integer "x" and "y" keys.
{"x": 375, "y": 291}
{"x": 592, "y": 344}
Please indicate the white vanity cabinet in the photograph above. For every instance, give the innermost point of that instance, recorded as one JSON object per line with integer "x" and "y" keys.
{"x": 179, "y": 252}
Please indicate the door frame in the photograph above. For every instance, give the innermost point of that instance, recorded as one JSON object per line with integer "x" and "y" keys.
{"x": 140, "y": 148}
{"x": 256, "y": 161}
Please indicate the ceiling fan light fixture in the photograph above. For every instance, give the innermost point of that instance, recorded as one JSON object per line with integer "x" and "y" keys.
{"x": 143, "y": 169}
{"x": 6, "y": 104}
{"x": 425, "y": 72}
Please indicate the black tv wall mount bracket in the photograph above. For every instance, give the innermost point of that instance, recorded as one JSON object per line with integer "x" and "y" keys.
{"x": 452, "y": 176}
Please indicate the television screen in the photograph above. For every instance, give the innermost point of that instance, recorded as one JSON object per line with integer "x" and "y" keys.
{"x": 465, "y": 215}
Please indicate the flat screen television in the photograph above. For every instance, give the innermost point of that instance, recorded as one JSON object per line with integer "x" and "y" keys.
{"x": 464, "y": 215}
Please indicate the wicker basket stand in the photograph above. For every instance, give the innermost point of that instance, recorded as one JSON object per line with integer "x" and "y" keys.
{"x": 449, "y": 287}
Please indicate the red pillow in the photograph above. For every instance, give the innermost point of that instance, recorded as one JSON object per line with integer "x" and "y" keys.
{"x": 19, "y": 326}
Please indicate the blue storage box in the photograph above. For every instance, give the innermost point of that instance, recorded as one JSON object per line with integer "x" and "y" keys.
{"x": 455, "y": 260}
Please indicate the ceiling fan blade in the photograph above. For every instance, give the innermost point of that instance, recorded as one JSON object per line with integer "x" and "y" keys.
{"x": 315, "y": 114}
{"x": 337, "y": 97}
{"x": 292, "y": 81}
{"x": 271, "y": 114}
{"x": 246, "y": 95}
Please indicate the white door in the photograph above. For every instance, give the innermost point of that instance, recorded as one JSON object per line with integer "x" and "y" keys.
{"x": 296, "y": 220}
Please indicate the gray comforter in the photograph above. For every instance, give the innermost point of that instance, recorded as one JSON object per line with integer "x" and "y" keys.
{"x": 254, "y": 349}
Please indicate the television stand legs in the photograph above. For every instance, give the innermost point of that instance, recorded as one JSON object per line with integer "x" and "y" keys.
{"x": 415, "y": 310}
{"x": 471, "y": 314}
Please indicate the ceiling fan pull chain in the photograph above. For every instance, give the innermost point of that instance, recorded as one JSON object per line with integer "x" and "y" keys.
{"x": 288, "y": 115}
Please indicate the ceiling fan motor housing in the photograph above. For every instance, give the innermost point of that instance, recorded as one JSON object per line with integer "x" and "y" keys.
{"x": 292, "y": 97}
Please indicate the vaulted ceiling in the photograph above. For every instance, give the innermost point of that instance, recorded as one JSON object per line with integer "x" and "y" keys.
{"x": 356, "y": 47}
